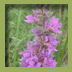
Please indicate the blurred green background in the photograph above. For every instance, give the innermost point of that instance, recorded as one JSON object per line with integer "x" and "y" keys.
{"x": 18, "y": 32}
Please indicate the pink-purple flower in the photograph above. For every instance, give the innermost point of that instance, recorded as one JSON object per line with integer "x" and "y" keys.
{"x": 30, "y": 61}
{"x": 35, "y": 31}
{"x": 30, "y": 18}
{"x": 54, "y": 25}
{"x": 49, "y": 62}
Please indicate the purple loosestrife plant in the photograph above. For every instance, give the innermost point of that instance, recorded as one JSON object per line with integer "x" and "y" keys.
{"x": 40, "y": 51}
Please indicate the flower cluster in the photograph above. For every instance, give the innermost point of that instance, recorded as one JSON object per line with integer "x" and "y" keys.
{"x": 40, "y": 51}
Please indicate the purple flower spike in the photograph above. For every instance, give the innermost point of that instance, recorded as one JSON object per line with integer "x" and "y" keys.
{"x": 40, "y": 51}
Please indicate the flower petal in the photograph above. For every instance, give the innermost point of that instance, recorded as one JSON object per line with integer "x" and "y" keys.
{"x": 35, "y": 14}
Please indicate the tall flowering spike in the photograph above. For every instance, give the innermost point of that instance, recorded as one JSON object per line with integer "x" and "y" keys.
{"x": 40, "y": 51}
{"x": 30, "y": 18}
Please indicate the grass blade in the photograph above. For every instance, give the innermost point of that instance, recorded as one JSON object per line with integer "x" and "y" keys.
{"x": 17, "y": 33}
{"x": 64, "y": 49}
